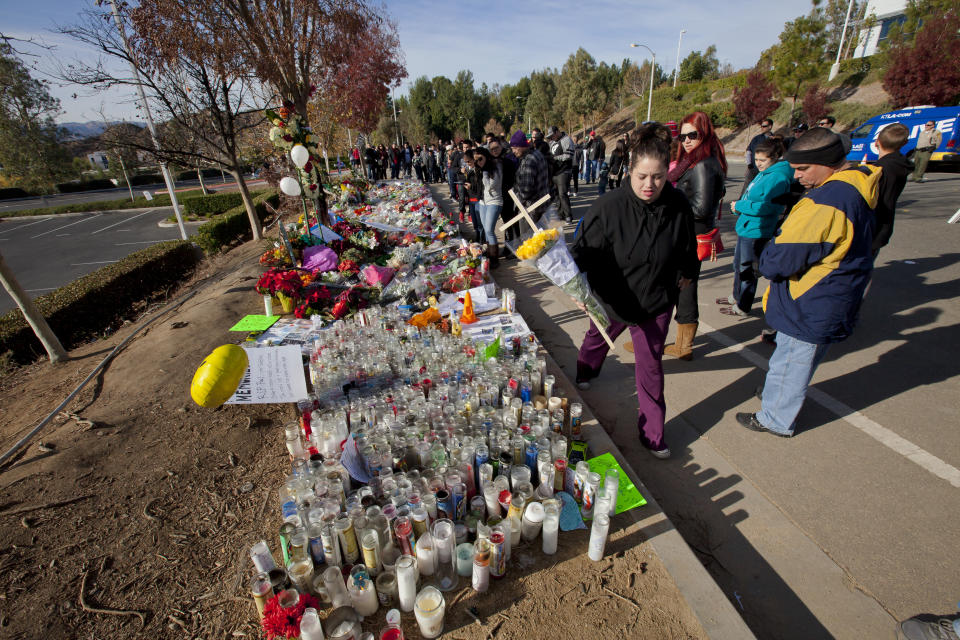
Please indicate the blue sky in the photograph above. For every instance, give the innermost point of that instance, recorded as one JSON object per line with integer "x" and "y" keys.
{"x": 499, "y": 41}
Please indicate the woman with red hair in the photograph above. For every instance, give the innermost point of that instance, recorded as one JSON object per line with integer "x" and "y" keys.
{"x": 699, "y": 173}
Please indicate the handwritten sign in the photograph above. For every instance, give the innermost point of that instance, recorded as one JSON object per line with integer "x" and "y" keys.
{"x": 275, "y": 374}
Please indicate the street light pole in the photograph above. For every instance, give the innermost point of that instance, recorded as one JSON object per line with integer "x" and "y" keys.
{"x": 835, "y": 69}
{"x": 396, "y": 127}
{"x": 653, "y": 69}
{"x": 153, "y": 131}
{"x": 676, "y": 69}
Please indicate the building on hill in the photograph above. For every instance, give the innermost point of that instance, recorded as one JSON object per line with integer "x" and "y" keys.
{"x": 99, "y": 160}
{"x": 887, "y": 13}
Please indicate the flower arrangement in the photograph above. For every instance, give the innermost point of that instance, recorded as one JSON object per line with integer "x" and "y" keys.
{"x": 538, "y": 244}
{"x": 279, "y": 622}
{"x": 316, "y": 303}
{"x": 290, "y": 130}
{"x": 276, "y": 257}
{"x": 280, "y": 281}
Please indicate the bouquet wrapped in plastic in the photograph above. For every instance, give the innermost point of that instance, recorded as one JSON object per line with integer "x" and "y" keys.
{"x": 548, "y": 252}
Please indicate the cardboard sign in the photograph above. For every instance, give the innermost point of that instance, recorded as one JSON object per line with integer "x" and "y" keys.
{"x": 275, "y": 374}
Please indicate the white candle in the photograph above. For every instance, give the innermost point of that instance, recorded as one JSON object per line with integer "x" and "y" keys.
{"x": 429, "y": 611}
{"x": 426, "y": 555}
{"x": 481, "y": 576}
{"x": 364, "y": 599}
{"x": 598, "y": 536}
{"x": 310, "y": 627}
{"x": 515, "y": 529}
{"x": 554, "y": 403}
{"x": 551, "y": 528}
{"x": 407, "y": 582}
{"x": 267, "y": 304}
{"x": 333, "y": 581}
{"x": 532, "y": 521}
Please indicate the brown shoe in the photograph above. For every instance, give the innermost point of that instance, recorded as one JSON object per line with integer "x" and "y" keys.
{"x": 683, "y": 347}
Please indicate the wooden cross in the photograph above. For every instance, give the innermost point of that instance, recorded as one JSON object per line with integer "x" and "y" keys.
{"x": 524, "y": 212}
{"x": 525, "y": 215}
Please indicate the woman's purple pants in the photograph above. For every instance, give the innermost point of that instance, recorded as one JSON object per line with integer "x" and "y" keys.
{"x": 648, "y": 339}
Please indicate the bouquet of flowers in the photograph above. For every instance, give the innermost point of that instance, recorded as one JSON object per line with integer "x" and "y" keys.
{"x": 285, "y": 284}
{"x": 316, "y": 303}
{"x": 551, "y": 256}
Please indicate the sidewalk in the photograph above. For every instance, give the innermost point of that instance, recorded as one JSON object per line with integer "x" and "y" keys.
{"x": 715, "y": 613}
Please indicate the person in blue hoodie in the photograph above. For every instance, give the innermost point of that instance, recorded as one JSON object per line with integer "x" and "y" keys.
{"x": 818, "y": 264}
{"x": 758, "y": 216}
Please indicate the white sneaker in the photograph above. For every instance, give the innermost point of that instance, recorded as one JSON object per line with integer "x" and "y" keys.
{"x": 583, "y": 386}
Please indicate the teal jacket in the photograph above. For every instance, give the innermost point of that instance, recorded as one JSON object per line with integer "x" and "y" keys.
{"x": 758, "y": 213}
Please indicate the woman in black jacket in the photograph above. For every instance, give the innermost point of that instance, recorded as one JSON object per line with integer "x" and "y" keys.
{"x": 638, "y": 250}
{"x": 699, "y": 173}
{"x": 618, "y": 164}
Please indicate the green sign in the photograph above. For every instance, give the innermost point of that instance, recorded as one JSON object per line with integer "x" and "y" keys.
{"x": 628, "y": 496}
{"x": 255, "y": 323}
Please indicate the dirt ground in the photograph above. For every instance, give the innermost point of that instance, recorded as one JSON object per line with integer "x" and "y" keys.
{"x": 134, "y": 517}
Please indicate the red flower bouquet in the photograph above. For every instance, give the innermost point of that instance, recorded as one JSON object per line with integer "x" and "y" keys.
{"x": 278, "y": 622}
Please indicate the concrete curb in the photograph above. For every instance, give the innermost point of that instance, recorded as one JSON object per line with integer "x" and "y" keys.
{"x": 704, "y": 597}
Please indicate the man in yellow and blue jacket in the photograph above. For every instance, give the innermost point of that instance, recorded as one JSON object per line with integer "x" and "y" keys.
{"x": 819, "y": 266}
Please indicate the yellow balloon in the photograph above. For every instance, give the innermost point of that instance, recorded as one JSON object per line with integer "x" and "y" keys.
{"x": 218, "y": 377}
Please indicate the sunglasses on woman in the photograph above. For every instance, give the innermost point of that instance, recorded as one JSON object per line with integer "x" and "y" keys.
{"x": 693, "y": 135}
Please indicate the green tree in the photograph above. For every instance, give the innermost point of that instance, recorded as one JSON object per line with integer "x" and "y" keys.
{"x": 700, "y": 65}
{"x": 543, "y": 94}
{"x": 834, "y": 13}
{"x": 636, "y": 79}
{"x": 799, "y": 56}
{"x": 577, "y": 85}
{"x": 32, "y": 154}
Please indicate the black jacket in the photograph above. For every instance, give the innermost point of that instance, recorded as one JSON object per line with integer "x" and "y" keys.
{"x": 703, "y": 185}
{"x": 634, "y": 253}
{"x": 896, "y": 168}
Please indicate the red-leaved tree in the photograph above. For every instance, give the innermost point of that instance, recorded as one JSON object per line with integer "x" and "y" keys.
{"x": 815, "y": 104}
{"x": 754, "y": 101}
{"x": 927, "y": 72}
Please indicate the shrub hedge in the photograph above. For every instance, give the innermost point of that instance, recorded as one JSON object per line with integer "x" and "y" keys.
{"x": 159, "y": 200}
{"x": 233, "y": 225}
{"x": 191, "y": 174}
{"x": 13, "y": 192}
{"x": 213, "y": 204}
{"x": 89, "y": 185}
{"x": 94, "y": 303}
{"x": 149, "y": 178}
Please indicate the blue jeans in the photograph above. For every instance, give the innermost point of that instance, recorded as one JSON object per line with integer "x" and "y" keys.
{"x": 745, "y": 259}
{"x": 451, "y": 178}
{"x": 791, "y": 368}
{"x": 591, "y": 167}
{"x": 488, "y": 218}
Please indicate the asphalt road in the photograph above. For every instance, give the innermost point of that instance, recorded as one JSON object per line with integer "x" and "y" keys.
{"x": 99, "y": 196}
{"x": 47, "y": 252}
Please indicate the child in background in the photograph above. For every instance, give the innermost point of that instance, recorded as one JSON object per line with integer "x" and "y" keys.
{"x": 604, "y": 177}
{"x": 892, "y": 180}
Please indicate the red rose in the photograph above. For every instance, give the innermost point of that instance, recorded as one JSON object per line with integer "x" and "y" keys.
{"x": 340, "y": 309}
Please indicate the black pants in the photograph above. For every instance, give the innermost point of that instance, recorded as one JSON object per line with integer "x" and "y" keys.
{"x": 576, "y": 181}
{"x": 687, "y": 310}
{"x": 562, "y": 181}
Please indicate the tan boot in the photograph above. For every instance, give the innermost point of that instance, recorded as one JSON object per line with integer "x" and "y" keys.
{"x": 683, "y": 347}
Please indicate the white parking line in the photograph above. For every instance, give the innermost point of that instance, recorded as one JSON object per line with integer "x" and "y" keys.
{"x": 120, "y": 244}
{"x": 851, "y": 416}
{"x": 23, "y": 226}
{"x": 77, "y": 264}
{"x": 66, "y": 225}
{"x": 35, "y": 290}
{"x": 63, "y": 235}
{"x": 124, "y": 221}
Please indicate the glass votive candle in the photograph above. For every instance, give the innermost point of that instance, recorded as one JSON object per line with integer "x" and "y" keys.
{"x": 464, "y": 559}
{"x": 429, "y": 610}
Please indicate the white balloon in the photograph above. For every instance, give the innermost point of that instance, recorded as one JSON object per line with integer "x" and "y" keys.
{"x": 299, "y": 155}
{"x": 290, "y": 186}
